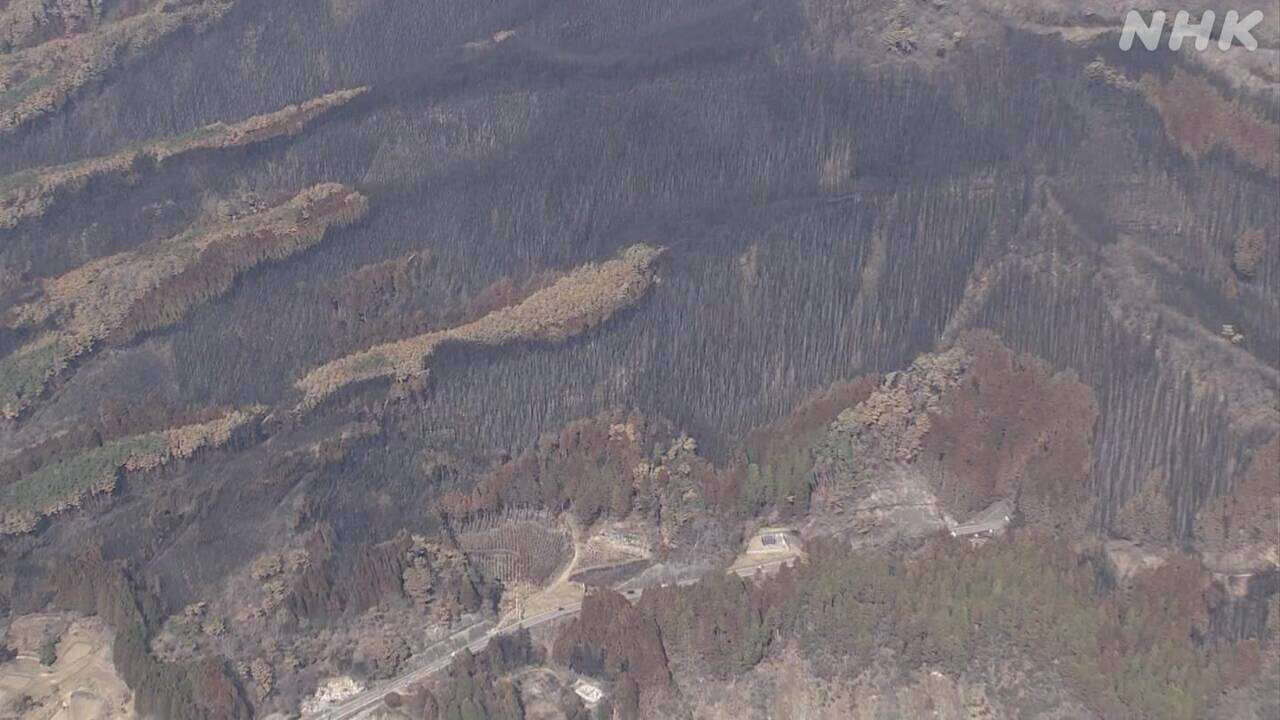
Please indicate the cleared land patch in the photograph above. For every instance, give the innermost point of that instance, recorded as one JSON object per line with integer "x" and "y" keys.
{"x": 80, "y": 684}
{"x": 517, "y": 547}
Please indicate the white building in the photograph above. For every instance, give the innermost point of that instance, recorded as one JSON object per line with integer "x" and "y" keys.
{"x": 772, "y": 540}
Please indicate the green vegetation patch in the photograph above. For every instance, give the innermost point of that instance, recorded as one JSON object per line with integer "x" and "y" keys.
{"x": 22, "y": 90}
{"x": 22, "y": 178}
{"x": 372, "y": 362}
{"x": 68, "y": 476}
{"x": 778, "y": 471}
{"x": 1128, "y": 655}
{"x": 24, "y": 373}
{"x": 193, "y": 136}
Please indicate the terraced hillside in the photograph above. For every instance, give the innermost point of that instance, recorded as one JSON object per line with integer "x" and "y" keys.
{"x": 517, "y": 547}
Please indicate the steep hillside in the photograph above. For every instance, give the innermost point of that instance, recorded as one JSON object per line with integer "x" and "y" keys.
{"x": 334, "y": 332}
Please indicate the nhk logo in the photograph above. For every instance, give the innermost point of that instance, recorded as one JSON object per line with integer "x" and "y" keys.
{"x": 1234, "y": 29}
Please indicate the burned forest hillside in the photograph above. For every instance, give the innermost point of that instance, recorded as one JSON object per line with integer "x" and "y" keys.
{"x": 647, "y": 359}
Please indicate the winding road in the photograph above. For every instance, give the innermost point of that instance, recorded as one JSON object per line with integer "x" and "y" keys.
{"x": 361, "y": 705}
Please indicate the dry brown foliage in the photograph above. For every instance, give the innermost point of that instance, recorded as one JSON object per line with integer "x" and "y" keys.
{"x": 601, "y": 466}
{"x": 581, "y": 299}
{"x": 367, "y": 289}
{"x": 183, "y": 442}
{"x": 25, "y": 23}
{"x": 39, "y": 80}
{"x": 31, "y": 193}
{"x": 1011, "y": 427}
{"x": 892, "y": 422}
{"x": 1250, "y": 513}
{"x": 118, "y": 297}
{"x": 1198, "y": 118}
{"x": 1248, "y": 252}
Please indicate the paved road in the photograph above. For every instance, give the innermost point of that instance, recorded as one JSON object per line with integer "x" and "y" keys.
{"x": 990, "y": 526}
{"x": 364, "y": 703}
